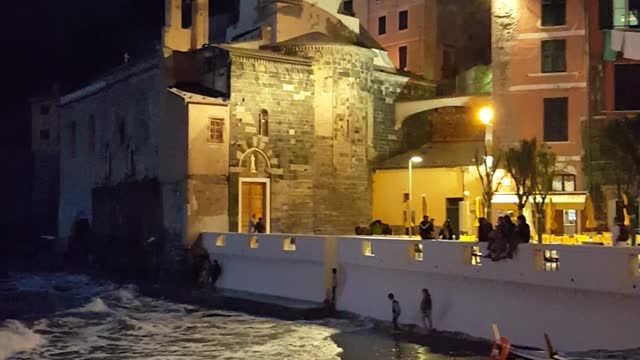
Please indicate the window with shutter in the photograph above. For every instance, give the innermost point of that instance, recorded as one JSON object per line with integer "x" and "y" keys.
{"x": 556, "y": 119}
{"x": 382, "y": 25}
{"x": 553, "y": 56}
{"x": 554, "y": 12}
{"x": 403, "y": 20}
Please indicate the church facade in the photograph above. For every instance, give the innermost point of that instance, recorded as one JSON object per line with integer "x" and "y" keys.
{"x": 284, "y": 122}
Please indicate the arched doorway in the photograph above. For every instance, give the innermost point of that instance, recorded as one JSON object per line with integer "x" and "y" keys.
{"x": 254, "y": 189}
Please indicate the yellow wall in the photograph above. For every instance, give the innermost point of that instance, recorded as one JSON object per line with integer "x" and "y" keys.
{"x": 437, "y": 184}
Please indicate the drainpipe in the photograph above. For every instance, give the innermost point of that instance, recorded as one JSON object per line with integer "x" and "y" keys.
{"x": 588, "y": 151}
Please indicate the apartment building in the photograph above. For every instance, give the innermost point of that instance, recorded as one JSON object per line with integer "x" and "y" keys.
{"x": 437, "y": 39}
{"x": 539, "y": 79}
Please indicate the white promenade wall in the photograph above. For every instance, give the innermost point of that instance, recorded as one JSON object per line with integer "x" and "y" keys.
{"x": 268, "y": 269}
{"x": 591, "y": 302}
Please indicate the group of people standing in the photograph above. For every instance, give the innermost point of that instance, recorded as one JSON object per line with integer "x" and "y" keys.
{"x": 503, "y": 241}
{"x": 256, "y": 226}
{"x": 425, "y": 310}
{"x": 427, "y": 229}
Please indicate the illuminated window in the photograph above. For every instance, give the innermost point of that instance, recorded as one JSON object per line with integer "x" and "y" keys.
{"x": 263, "y": 123}
{"x": 415, "y": 252}
{"x": 253, "y": 242}
{"x": 216, "y": 130}
{"x": 554, "y": 12}
{"x": 551, "y": 260}
{"x": 564, "y": 183}
{"x": 220, "y": 241}
{"x": 367, "y": 248}
{"x": 289, "y": 244}
{"x": 403, "y": 20}
{"x": 553, "y": 56}
{"x": 382, "y": 25}
{"x": 625, "y": 13}
{"x": 476, "y": 256}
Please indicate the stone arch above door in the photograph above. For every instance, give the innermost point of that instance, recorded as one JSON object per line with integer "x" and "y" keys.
{"x": 256, "y": 158}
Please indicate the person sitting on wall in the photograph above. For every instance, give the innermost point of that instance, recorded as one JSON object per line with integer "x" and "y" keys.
{"x": 619, "y": 233}
{"x": 522, "y": 235}
{"x": 260, "y": 227}
{"x": 484, "y": 229}
{"x": 424, "y": 227}
{"x": 375, "y": 228}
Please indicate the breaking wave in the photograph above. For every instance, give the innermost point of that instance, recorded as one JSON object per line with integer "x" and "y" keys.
{"x": 108, "y": 321}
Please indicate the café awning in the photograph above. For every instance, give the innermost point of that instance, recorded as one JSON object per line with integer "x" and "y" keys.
{"x": 561, "y": 201}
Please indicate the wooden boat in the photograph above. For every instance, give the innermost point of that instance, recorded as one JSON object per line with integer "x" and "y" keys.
{"x": 503, "y": 350}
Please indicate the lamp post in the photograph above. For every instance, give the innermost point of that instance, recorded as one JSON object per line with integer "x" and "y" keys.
{"x": 486, "y": 115}
{"x": 413, "y": 160}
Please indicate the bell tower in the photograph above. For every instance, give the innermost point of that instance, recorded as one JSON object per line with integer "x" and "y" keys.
{"x": 186, "y": 24}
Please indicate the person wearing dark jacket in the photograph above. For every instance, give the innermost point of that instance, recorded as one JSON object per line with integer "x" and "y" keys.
{"x": 425, "y": 308}
{"x": 523, "y": 231}
{"x": 426, "y": 231}
{"x": 484, "y": 229}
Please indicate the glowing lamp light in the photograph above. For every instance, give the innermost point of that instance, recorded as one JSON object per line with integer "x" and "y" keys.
{"x": 416, "y": 159}
{"x": 489, "y": 161}
{"x": 486, "y": 114}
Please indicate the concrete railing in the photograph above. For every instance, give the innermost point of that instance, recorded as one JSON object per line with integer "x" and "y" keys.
{"x": 291, "y": 266}
{"x": 585, "y": 297}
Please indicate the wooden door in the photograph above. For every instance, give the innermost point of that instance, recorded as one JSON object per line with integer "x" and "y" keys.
{"x": 253, "y": 203}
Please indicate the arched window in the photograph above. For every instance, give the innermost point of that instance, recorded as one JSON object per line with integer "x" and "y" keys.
{"x": 187, "y": 14}
{"x": 263, "y": 123}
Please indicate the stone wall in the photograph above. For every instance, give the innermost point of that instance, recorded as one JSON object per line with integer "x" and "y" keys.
{"x": 505, "y": 16}
{"x": 331, "y": 115}
{"x": 115, "y": 138}
{"x": 285, "y": 91}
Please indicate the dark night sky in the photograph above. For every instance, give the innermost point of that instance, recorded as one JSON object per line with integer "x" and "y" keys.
{"x": 59, "y": 41}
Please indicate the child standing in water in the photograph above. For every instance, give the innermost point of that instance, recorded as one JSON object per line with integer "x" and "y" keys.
{"x": 395, "y": 311}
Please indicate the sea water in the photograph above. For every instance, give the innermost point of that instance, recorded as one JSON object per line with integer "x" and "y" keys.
{"x": 61, "y": 316}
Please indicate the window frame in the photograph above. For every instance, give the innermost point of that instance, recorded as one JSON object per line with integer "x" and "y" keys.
{"x": 548, "y": 131}
{"x": 551, "y": 7}
{"x": 563, "y": 180}
{"x": 406, "y": 57}
{"x": 382, "y": 25}
{"x": 554, "y": 64}
{"x": 215, "y": 130}
{"x": 406, "y": 22}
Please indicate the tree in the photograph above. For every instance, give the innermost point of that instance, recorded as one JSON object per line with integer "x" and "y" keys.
{"x": 542, "y": 184}
{"x": 520, "y": 164}
{"x": 487, "y": 166}
{"x": 622, "y": 150}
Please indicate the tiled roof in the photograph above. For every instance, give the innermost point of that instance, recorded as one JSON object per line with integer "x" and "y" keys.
{"x": 437, "y": 155}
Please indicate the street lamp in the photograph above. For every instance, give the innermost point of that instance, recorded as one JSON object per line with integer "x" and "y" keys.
{"x": 486, "y": 115}
{"x": 413, "y": 160}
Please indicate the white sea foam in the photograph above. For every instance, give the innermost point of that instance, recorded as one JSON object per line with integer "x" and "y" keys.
{"x": 15, "y": 338}
{"x": 96, "y": 305}
{"x": 117, "y": 322}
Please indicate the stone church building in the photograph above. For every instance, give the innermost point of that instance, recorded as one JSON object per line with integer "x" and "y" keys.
{"x": 285, "y": 121}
